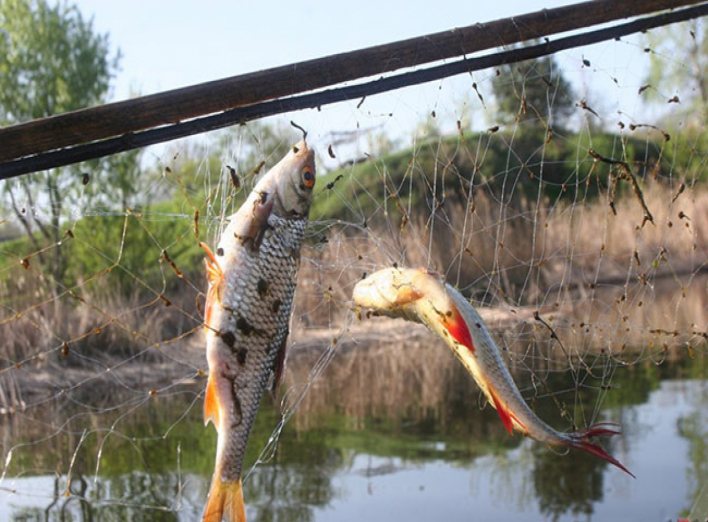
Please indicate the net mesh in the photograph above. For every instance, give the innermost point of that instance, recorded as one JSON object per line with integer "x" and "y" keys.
{"x": 565, "y": 197}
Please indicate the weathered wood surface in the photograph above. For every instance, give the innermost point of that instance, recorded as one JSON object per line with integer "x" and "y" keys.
{"x": 147, "y": 112}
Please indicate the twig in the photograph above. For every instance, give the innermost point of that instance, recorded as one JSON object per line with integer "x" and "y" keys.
{"x": 554, "y": 335}
{"x": 679, "y": 191}
{"x": 304, "y": 132}
{"x": 625, "y": 173}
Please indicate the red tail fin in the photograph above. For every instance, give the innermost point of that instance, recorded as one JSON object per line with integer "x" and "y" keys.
{"x": 225, "y": 501}
{"x": 599, "y": 430}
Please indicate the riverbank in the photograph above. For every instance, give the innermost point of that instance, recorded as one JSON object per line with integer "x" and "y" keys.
{"x": 581, "y": 331}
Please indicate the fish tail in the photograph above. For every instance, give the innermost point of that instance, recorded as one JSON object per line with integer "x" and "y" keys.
{"x": 225, "y": 501}
{"x": 580, "y": 440}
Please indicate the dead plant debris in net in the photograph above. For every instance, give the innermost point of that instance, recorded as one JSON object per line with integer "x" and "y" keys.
{"x": 563, "y": 196}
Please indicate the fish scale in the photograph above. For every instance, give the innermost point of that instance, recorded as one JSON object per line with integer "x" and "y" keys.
{"x": 272, "y": 263}
{"x": 247, "y": 316}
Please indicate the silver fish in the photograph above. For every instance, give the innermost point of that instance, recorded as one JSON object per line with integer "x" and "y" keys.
{"x": 251, "y": 286}
{"x": 421, "y": 296}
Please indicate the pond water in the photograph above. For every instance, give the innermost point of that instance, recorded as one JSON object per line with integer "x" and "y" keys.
{"x": 151, "y": 459}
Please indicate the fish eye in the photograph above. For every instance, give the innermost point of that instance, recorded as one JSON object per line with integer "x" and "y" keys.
{"x": 308, "y": 177}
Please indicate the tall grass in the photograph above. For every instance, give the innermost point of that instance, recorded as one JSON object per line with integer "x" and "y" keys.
{"x": 597, "y": 273}
{"x": 53, "y": 339}
{"x": 599, "y": 280}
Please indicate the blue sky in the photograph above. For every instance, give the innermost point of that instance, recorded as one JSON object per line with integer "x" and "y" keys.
{"x": 166, "y": 45}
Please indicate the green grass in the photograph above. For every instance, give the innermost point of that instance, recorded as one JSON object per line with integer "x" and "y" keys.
{"x": 512, "y": 165}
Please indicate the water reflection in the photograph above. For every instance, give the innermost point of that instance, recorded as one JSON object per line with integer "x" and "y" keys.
{"x": 429, "y": 456}
{"x": 131, "y": 496}
{"x": 566, "y": 485}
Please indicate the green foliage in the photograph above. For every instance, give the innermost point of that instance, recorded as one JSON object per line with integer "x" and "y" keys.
{"x": 50, "y": 60}
{"x": 684, "y": 74}
{"x": 522, "y": 164}
{"x": 133, "y": 214}
{"x": 13, "y": 250}
{"x": 125, "y": 181}
{"x": 128, "y": 240}
{"x": 132, "y": 245}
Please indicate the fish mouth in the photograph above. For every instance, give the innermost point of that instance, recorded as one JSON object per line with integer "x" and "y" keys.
{"x": 382, "y": 297}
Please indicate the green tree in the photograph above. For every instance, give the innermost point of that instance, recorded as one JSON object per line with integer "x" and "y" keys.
{"x": 122, "y": 182}
{"x": 535, "y": 92}
{"x": 51, "y": 61}
{"x": 679, "y": 67}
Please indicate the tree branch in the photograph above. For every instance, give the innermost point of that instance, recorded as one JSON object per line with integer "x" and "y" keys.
{"x": 30, "y": 200}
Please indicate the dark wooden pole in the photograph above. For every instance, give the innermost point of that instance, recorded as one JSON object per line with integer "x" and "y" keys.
{"x": 173, "y": 106}
{"x": 131, "y": 141}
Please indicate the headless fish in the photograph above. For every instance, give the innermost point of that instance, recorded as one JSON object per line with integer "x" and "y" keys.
{"x": 247, "y": 313}
{"x": 421, "y": 296}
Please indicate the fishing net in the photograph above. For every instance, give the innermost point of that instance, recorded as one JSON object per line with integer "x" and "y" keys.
{"x": 565, "y": 197}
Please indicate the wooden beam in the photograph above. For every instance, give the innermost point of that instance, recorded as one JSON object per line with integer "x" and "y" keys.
{"x": 173, "y": 106}
{"x": 131, "y": 141}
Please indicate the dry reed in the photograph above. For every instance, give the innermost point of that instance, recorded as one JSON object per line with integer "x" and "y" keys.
{"x": 601, "y": 279}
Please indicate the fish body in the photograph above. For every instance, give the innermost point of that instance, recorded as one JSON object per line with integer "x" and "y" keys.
{"x": 251, "y": 286}
{"x": 421, "y": 296}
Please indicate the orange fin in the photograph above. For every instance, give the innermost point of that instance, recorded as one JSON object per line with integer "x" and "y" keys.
{"x": 504, "y": 414}
{"x": 457, "y": 327}
{"x": 214, "y": 276}
{"x": 214, "y": 272}
{"x": 211, "y": 404}
{"x": 225, "y": 502}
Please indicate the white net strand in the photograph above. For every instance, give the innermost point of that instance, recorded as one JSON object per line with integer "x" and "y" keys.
{"x": 559, "y": 198}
